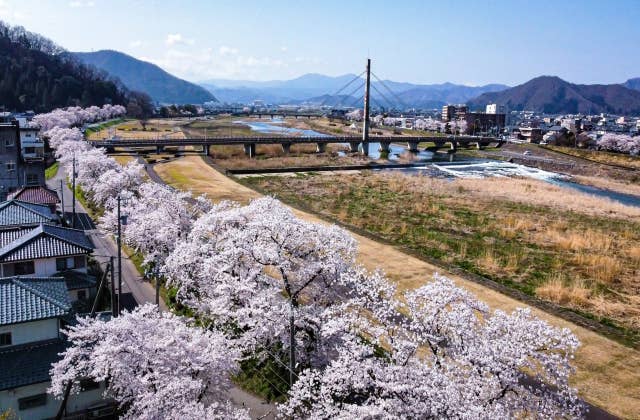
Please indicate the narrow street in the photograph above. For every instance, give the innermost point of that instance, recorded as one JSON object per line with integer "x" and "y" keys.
{"x": 135, "y": 290}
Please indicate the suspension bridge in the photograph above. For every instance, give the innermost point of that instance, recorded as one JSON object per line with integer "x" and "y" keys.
{"x": 356, "y": 143}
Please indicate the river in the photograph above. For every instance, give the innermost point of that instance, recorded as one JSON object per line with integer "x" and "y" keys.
{"x": 452, "y": 166}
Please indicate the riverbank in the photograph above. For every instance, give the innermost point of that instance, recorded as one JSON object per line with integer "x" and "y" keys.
{"x": 608, "y": 373}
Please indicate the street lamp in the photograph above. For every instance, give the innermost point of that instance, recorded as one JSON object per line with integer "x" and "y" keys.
{"x": 122, "y": 220}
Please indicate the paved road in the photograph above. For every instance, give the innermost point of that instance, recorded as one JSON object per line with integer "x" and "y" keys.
{"x": 133, "y": 286}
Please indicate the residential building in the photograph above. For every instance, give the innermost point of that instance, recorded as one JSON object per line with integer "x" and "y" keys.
{"x": 37, "y": 195}
{"x": 19, "y": 166}
{"x": 531, "y": 134}
{"x": 496, "y": 109}
{"x": 9, "y": 157}
{"x": 481, "y": 122}
{"x": 32, "y": 312}
{"x": 17, "y": 212}
{"x": 454, "y": 112}
{"x": 32, "y": 156}
{"x": 46, "y": 251}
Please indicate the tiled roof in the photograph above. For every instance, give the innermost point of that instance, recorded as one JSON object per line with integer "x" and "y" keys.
{"x": 24, "y": 299}
{"x": 16, "y": 212}
{"x": 36, "y": 194}
{"x": 43, "y": 241}
{"x": 28, "y": 364}
{"x": 76, "y": 279}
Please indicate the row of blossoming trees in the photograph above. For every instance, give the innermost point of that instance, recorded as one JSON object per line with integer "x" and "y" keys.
{"x": 620, "y": 143}
{"x": 251, "y": 275}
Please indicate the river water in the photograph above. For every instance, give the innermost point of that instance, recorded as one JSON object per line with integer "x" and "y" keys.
{"x": 449, "y": 165}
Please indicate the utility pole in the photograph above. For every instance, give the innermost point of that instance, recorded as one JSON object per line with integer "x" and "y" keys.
{"x": 156, "y": 277}
{"x": 292, "y": 345}
{"x": 113, "y": 288}
{"x": 122, "y": 220}
{"x": 64, "y": 222}
{"x": 73, "y": 191}
{"x": 365, "y": 125}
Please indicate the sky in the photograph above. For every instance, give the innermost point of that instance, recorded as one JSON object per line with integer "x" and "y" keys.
{"x": 468, "y": 42}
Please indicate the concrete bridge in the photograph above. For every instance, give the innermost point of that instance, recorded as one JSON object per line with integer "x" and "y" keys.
{"x": 250, "y": 143}
{"x": 240, "y": 112}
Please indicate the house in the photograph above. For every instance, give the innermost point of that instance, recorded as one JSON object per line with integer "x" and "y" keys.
{"x": 37, "y": 195}
{"x": 17, "y": 212}
{"x": 48, "y": 250}
{"x": 32, "y": 311}
{"x": 18, "y": 166}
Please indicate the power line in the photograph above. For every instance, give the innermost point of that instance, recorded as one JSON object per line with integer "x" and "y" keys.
{"x": 383, "y": 96}
{"x": 342, "y": 88}
{"x": 389, "y": 90}
{"x": 350, "y": 95}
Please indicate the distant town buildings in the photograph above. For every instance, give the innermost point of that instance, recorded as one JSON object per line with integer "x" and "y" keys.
{"x": 453, "y": 112}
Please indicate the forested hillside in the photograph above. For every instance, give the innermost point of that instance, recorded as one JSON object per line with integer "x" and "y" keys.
{"x": 36, "y": 74}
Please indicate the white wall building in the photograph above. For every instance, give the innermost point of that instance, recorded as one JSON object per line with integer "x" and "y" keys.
{"x": 31, "y": 312}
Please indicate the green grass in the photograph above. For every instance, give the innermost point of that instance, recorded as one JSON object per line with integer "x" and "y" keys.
{"x": 52, "y": 170}
{"x": 267, "y": 378}
{"x": 100, "y": 127}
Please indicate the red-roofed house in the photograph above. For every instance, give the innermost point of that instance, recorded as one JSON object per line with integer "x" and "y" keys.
{"x": 38, "y": 195}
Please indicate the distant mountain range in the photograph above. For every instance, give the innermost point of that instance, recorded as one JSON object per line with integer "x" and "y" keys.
{"x": 553, "y": 95}
{"x": 146, "y": 77}
{"x": 316, "y": 89}
{"x": 633, "y": 83}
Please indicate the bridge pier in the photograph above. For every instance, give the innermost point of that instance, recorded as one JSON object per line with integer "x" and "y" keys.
{"x": 365, "y": 148}
{"x": 159, "y": 149}
{"x": 205, "y": 150}
{"x": 353, "y": 146}
{"x": 454, "y": 145}
{"x": 286, "y": 148}
{"x": 321, "y": 147}
{"x": 412, "y": 146}
{"x": 384, "y": 147}
{"x": 250, "y": 149}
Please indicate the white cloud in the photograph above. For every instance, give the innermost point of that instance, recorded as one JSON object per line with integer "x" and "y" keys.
{"x": 177, "y": 39}
{"x": 283, "y": 48}
{"x": 135, "y": 44}
{"x": 223, "y": 62}
{"x": 224, "y": 50}
{"x": 80, "y": 3}
{"x": 8, "y": 11}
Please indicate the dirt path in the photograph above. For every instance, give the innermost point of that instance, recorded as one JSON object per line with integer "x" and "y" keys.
{"x": 608, "y": 373}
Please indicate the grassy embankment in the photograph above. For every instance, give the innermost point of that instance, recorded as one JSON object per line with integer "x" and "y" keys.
{"x": 525, "y": 234}
{"x": 97, "y": 128}
{"x": 52, "y": 170}
{"x": 608, "y": 158}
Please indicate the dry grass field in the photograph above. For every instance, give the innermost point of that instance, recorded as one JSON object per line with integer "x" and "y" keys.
{"x": 608, "y": 373}
{"x": 573, "y": 249}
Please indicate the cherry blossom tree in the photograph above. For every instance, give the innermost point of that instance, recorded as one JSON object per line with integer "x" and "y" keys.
{"x": 118, "y": 180}
{"x": 458, "y": 126}
{"x": 155, "y": 365}
{"x": 620, "y": 143}
{"x": 437, "y": 353}
{"x": 252, "y": 267}
{"x": 159, "y": 218}
{"x": 90, "y": 166}
{"x": 76, "y": 116}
